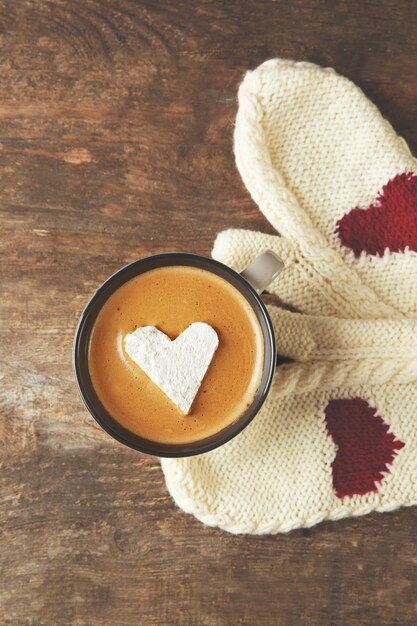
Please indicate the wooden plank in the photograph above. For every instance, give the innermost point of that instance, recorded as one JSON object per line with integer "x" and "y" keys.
{"x": 93, "y": 538}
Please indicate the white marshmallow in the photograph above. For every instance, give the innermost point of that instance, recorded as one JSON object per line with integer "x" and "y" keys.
{"x": 177, "y": 367}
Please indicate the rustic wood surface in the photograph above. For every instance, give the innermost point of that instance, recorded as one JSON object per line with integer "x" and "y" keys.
{"x": 116, "y": 123}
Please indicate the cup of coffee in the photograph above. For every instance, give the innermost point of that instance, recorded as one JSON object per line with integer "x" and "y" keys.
{"x": 198, "y": 327}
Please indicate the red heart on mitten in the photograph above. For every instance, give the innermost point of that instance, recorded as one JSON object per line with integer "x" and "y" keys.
{"x": 389, "y": 222}
{"x": 365, "y": 448}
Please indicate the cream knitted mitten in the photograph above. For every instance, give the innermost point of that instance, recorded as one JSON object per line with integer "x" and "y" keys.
{"x": 313, "y": 151}
{"x": 335, "y": 436}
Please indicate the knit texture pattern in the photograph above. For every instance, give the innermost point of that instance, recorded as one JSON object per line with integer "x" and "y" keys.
{"x": 336, "y": 436}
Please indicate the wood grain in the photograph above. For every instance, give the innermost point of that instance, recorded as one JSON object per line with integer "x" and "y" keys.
{"x": 116, "y": 120}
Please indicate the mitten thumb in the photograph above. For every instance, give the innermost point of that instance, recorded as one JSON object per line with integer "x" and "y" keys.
{"x": 237, "y": 248}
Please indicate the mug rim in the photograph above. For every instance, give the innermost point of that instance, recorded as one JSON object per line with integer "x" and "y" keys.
{"x": 105, "y": 419}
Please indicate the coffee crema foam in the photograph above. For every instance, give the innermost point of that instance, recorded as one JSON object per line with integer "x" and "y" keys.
{"x": 171, "y": 299}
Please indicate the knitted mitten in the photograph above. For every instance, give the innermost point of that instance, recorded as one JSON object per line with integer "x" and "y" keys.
{"x": 335, "y": 436}
{"x": 337, "y": 183}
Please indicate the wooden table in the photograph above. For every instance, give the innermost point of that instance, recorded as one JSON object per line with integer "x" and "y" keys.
{"x": 116, "y": 142}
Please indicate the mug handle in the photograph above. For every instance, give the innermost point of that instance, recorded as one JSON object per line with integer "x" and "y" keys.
{"x": 262, "y": 271}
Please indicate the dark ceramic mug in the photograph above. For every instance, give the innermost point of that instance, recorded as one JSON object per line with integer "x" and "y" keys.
{"x": 250, "y": 283}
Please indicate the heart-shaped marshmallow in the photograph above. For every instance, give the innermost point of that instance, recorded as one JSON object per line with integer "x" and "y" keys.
{"x": 177, "y": 367}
